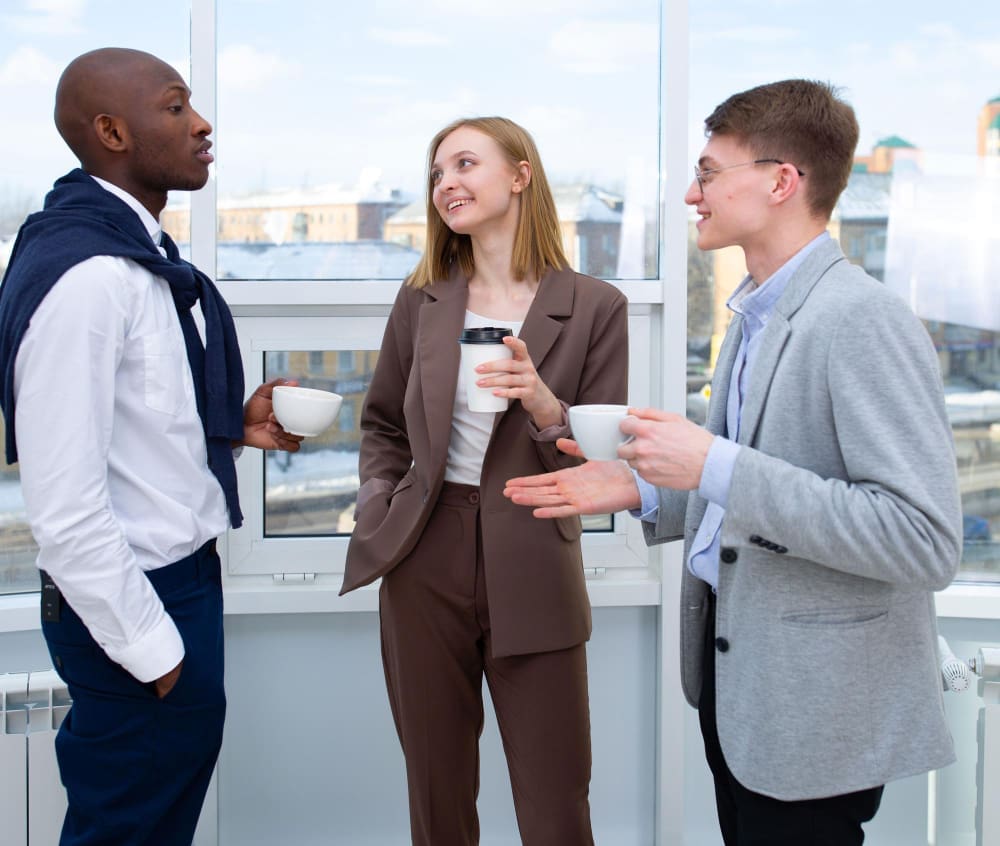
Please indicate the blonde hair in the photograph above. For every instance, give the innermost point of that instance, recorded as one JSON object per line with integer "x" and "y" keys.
{"x": 537, "y": 241}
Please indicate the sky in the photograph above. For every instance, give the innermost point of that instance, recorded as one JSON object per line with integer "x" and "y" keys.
{"x": 312, "y": 93}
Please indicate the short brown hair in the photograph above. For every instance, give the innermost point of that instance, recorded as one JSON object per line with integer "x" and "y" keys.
{"x": 537, "y": 242}
{"x": 799, "y": 121}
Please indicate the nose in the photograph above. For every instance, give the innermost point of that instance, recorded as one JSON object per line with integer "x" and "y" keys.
{"x": 199, "y": 125}
{"x": 694, "y": 193}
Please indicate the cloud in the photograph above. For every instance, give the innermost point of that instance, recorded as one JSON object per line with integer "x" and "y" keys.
{"x": 407, "y": 37}
{"x": 29, "y": 66}
{"x": 48, "y": 17}
{"x": 750, "y": 34}
{"x": 376, "y": 81}
{"x": 244, "y": 66}
{"x": 601, "y": 47}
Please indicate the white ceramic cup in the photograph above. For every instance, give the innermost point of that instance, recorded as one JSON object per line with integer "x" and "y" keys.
{"x": 479, "y": 345}
{"x": 304, "y": 411}
{"x": 596, "y": 429}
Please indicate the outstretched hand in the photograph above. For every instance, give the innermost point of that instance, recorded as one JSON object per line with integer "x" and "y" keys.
{"x": 595, "y": 487}
{"x": 260, "y": 428}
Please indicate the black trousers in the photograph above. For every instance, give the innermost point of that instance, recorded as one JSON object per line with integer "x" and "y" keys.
{"x": 751, "y": 819}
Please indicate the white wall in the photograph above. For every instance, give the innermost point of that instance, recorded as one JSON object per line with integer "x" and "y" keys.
{"x": 311, "y": 756}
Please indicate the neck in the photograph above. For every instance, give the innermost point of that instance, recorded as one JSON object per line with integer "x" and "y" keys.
{"x": 770, "y": 253}
{"x": 152, "y": 200}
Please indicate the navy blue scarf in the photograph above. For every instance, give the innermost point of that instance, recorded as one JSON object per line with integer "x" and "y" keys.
{"x": 80, "y": 220}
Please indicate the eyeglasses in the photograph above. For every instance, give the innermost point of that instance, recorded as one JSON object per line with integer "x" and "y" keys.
{"x": 703, "y": 177}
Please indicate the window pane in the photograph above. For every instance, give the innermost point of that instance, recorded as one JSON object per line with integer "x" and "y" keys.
{"x": 328, "y": 182}
{"x": 40, "y": 39}
{"x": 313, "y": 491}
{"x": 921, "y": 211}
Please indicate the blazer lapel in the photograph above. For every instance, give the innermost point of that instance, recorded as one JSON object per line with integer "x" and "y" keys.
{"x": 554, "y": 299}
{"x": 778, "y": 328}
{"x": 441, "y": 320}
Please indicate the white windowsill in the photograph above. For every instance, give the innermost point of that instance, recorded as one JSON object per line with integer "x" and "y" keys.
{"x": 20, "y": 612}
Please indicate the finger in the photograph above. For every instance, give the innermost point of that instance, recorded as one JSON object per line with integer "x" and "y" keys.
{"x": 540, "y": 481}
{"x": 551, "y": 513}
{"x": 570, "y": 447}
{"x": 517, "y": 346}
{"x": 651, "y": 414}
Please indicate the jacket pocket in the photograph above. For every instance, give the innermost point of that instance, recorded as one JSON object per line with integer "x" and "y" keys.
{"x": 848, "y": 615}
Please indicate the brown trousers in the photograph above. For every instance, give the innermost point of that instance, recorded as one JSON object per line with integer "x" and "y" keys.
{"x": 436, "y": 647}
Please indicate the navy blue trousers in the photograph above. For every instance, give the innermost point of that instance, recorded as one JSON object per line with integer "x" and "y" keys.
{"x": 136, "y": 767}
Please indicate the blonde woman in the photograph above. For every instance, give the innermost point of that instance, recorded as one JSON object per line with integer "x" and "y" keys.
{"x": 472, "y": 585}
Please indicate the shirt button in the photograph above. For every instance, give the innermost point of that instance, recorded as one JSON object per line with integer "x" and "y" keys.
{"x": 722, "y": 644}
{"x": 728, "y": 555}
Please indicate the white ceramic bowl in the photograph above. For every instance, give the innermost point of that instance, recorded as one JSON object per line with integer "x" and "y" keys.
{"x": 305, "y": 411}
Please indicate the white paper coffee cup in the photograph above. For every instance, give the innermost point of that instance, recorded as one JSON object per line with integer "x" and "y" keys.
{"x": 479, "y": 345}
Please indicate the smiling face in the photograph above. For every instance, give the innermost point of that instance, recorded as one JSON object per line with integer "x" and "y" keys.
{"x": 474, "y": 186}
{"x": 733, "y": 203}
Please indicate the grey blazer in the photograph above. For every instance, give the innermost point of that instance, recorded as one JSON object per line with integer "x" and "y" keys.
{"x": 843, "y": 518}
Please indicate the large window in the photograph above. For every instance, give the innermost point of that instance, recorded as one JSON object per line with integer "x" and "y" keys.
{"x": 325, "y": 112}
{"x": 921, "y": 211}
{"x": 315, "y": 212}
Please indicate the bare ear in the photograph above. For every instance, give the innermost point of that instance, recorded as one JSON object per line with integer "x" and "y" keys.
{"x": 111, "y": 132}
{"x": 787, "y": 184}
{"x": 522, "y": 177}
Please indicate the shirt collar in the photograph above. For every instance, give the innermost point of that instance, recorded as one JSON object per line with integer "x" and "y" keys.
{"x": 151, "y": 223}
{"x": 757, "y": 301}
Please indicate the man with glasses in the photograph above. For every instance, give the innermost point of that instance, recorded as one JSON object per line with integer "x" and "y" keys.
{"x": 819, "y": 505}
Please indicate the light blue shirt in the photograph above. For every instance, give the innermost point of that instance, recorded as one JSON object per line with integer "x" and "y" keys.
{"x": 755, "y": 304}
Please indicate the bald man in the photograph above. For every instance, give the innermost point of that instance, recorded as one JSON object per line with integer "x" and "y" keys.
{"x": 125, "y": 423}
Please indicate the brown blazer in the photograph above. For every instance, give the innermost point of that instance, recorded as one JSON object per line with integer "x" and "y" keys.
{"x": 576, "y": 332}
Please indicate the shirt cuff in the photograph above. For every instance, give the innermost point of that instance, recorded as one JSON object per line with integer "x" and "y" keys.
{"x": 649, "y": 510}
{"x": 155, "y": 654}
{"x": 717, "y": 474}
{"x": 550, "y": 434}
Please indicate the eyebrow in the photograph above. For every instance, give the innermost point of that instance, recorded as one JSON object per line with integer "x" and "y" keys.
{"x": 457, "y": 155}
{"x": 176, "y": 86}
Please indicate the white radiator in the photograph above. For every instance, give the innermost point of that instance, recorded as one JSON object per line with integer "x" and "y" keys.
{"x": 32, "y": 799}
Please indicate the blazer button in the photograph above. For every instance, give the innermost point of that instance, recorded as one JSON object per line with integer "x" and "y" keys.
{"x": 722, "y": 644}
{"x": 728, "y": 555}
{"x": 781, "y": 550}
{"x": 755, "y": 538}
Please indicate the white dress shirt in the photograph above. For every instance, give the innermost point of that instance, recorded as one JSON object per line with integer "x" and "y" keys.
{"x": 112, "y": 451}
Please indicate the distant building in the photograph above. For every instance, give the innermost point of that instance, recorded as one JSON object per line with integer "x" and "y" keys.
{"x": 988, "y": 129}
{"x": 993, "y": 138}
{"x": 860, "y": 221}
{"x": 590, "y": 220}
{"x": 313, "y": 260}
{"x": 323, "y": 213}
{"x": 888, "y": 153}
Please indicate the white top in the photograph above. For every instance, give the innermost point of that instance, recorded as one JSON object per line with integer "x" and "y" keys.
{"x": 471, "y": 430}
{"x": 112, "y": 451}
